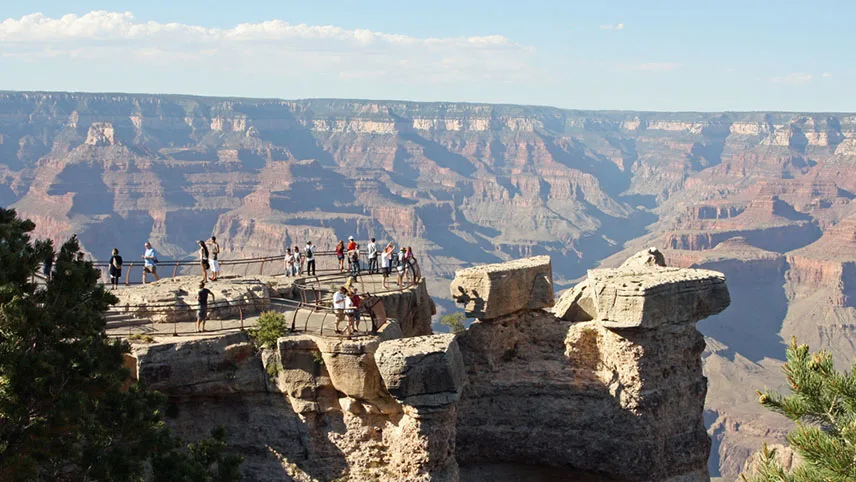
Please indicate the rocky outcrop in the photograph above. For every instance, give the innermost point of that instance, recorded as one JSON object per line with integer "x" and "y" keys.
{"x": 620, "y": 396}
{"x": 491, "y": 291}
{"x": 632, "y": 376}
{"x": 174, "y": 299}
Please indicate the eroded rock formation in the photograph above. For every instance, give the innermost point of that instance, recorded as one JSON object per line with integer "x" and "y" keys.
{"x": 619, "y": 397}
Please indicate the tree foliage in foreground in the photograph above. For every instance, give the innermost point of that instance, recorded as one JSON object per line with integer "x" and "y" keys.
{"x": 823, "y": 405}
{"x": 65, "y": 410}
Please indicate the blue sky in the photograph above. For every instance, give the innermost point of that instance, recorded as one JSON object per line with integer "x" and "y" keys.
{"x": 639, "y": 55}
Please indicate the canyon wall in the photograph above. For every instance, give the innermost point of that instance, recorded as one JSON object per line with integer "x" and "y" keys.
{"x": 468, "y": 184}
{"x": 522, "y": 391}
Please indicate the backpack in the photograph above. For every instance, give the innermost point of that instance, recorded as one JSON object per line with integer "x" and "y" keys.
{"x": 309, "y": 253}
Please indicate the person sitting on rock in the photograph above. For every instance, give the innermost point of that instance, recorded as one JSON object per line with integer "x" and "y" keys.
{"x": 150, "y": 260}
{"x": 202, "y": 308}
{"x": 339, "y": 306}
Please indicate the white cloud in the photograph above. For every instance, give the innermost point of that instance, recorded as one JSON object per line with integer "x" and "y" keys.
{"x": 651, "y": 66}
{"x": 617, "y": 26}
{"x": 827, "y": 74}
{"x": 794, "y": 78}
{"x": 275, "y": 44}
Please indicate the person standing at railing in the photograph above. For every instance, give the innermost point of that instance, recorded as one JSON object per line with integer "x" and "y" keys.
{"x": 355, "y": 260}
{"x": 115, "y": 269}
{"x": 215, "y": 258}
{"x": 408, "y": 264}
{"x": 298, "y": 260}
{"x": 401, "y": 268}
{"x": 386, "y": 263}
{"x": 340, "y": 255}
{"x": 202, "y": 309}
{"x": 150, "y": 261}
{"x": 290, "y": 269}
{"x": 203, "y": 259}
{"x": 351, "y": 246}
{"x": 309, "y": 253}
{"x": 372, "y": 247}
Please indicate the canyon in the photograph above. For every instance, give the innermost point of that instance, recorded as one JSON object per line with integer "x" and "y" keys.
{"x": 765, "y": 198}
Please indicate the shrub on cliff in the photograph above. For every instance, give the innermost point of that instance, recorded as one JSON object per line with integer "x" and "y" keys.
{"x": 270, "y": 328}
{"x": 65, "y": 413}
{"x": 823, "y": 405}
{"x": 454, "y": 322}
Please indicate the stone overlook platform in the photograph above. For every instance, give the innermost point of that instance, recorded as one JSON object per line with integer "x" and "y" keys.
{"x": 603, "y": 384}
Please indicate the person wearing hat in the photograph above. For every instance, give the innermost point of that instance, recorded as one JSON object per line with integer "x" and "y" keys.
{"x": 309, "y": 254}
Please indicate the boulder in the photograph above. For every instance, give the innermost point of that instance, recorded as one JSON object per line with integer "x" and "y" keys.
{"x": 647, "y": 258}
{"x": 576, "y": 304}
{"x": 495, "y": 290}
{"x": 425, "y": 371}
{"x": 303, "y": 377}
{"x": 174, "y": 299}
{"x": 209, "y": 366}
{"x": 353, "y": 370}
{"x": 651, "y": 297}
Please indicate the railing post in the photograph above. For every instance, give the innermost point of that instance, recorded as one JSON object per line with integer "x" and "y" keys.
{"x": 175, "y": 269}
{"x": 262, "y": 269}
{"x": 128, "y": 274}
{"x": 241, "y": 314}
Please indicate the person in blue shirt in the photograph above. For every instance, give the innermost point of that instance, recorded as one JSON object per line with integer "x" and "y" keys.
{"x": 150, "y": 258}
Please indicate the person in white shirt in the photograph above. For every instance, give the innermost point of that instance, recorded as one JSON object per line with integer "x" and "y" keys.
{"x": 372, "y": 247}
{"x": 290, "y": 268}
{"x": 385, "y": 263}
{"x": 150, "y": 261}
{"x": 339, "y": 298}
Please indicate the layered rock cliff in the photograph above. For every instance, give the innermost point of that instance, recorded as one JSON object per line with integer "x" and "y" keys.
{"x": 464, "y": 184}
{"x": 522, "y": 391}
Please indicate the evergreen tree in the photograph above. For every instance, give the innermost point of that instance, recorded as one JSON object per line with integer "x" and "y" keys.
{"x": 823, "y": 405}
{"x": 65, "y": 412}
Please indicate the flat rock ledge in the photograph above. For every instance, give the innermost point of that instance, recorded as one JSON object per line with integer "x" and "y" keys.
{"x": 643, "y": 294}
{"x": 495, "y": 290}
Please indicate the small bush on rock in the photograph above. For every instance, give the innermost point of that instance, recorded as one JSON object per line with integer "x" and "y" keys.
{"x": 454, "y": 321}
{"x": 271, "y": 327}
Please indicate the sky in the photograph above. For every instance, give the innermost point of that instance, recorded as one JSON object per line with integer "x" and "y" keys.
{"x": 744, "y": 55}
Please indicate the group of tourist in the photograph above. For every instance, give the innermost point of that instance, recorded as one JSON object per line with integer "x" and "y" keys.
{"x": 296, "y": 260}
{"x": 208, "y": 259}
{"x": 380, "y": 260}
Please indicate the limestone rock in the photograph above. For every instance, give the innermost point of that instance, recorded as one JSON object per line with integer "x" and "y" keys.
{"x": 634, "y": 297}
{"x": 209, "y": 366}
{"x": 494, "y": 290}
{"x": 353, "y": 371}
{"x": 646, "y": 258}
{"x": 303, "y": 377}
{"x": 101, "y": 134}
{"x": 174, "y": 299}
{"x": 576, "y": 304}
{"x": 425, "y": 371}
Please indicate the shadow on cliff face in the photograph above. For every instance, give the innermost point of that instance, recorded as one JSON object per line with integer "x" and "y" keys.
{"x": 91, "y": 195}
{"x": 751, "y": 325}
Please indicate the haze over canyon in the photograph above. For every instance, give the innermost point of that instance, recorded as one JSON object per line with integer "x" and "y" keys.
{"x": 766, "y": 198}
